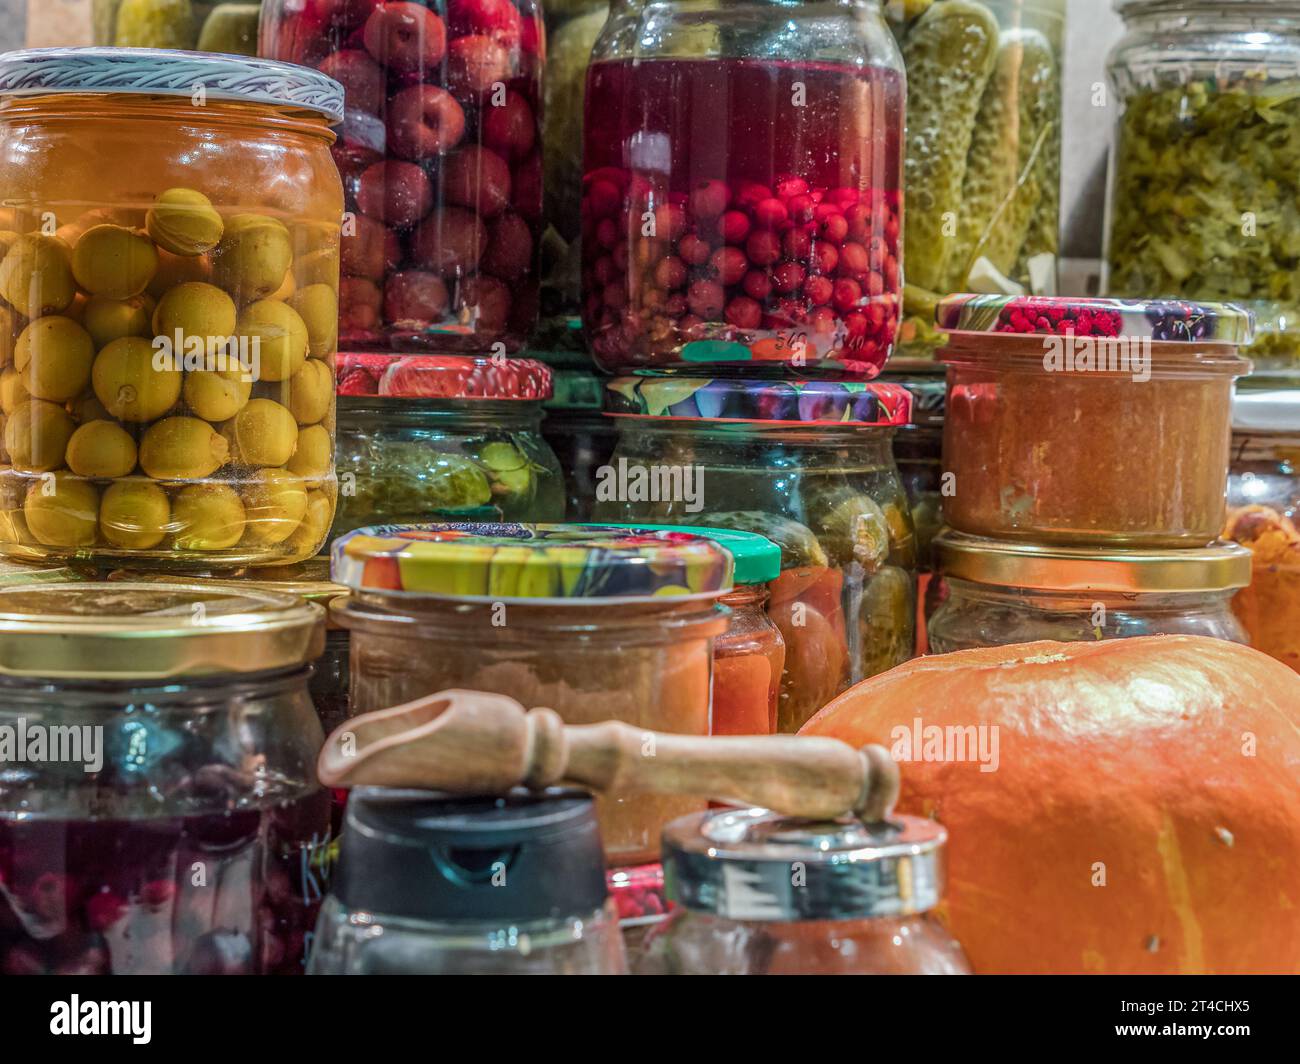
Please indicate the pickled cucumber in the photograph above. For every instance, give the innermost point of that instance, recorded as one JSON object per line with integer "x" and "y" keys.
{"x": 405, "y": 482}
{"x": 949, "y": 54}
{"x": 853, "y": 526}
{"x": 155, "y": 24}
{"x": 231, "y": 28}
{"x": 1007, "y": 166}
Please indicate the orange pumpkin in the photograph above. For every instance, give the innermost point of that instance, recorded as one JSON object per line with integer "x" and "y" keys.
{"x": 1144, "y": 814}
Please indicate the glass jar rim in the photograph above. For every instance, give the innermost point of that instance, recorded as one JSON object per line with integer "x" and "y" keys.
{"x": 1222, "y": 566}
{"x": 165, "y": 72}
{"x": 1100, "y": 358}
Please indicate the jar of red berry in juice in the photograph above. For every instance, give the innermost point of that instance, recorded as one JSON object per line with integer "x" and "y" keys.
{"x": 160, "y": 811}
{"x": 440, "y": 153}
{"x": 597, "y": 623}
{"x": 741, "y": 190}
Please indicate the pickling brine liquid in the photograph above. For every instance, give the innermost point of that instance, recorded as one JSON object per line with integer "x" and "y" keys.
{"x": 219, "y": 893}
{"x": 742, "y": 210}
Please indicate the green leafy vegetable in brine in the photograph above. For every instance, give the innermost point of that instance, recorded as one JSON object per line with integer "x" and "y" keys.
{"x": 1207, "y": 200}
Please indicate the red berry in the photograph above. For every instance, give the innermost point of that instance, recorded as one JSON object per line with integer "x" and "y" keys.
{"x": 395, "y": 193}
{"x": 824, "y": 258}
{"x": 734, "y": 227}
{"x": 614, "y": 295}
{"x": 763, "y": 248}
{"x": 361, "y": 77}
{"x": 833, "y": 228}
{"x": 405, "y": 37}
{"x": 670, "y": 222}
{"x": 620, "y": 256}
{"x": 603, "y": 198}
{"x": 414, "y": 295}
{"x": 843, "y": 198}
{"x": 693, "y": 250}
{"x": 770, "y": 214}
{"x": 817, "y": 290}
{"x": 510, "y": 129}
{"x": 796, "y": 244}
{"x": 787, "y": 187}
{"x": 709, "y": 199}
{"x": 822, "y": 319}
{"x": 730, "y": 265}
{"x": 450, "y": 242}
{"x": 158, "y": 893}
{"x": 875, "y": 285}
{"x": 706, "y": 299}
{"x": 853, "y": 260}
{"x": 104, "y": 909}
{"x": 670, "y": 273}
{"x": 801, "y": 209}
{"x": 478, "y": 178}
{"x": 848, "y": 294}
{"x": 749, "y": 194}
{"x": 424, "y": 121}
{"x": 498, "y": 19}
{"x": 744, "y": 313}
{"x": 858, "y": 216}
{"x": 607, "y": 233}
{"x": 476, "y": 64}
{"x": 675, "y": 305}
{"x": 788, "y": 277}
{"x": 509, "y": 252}
{"x": 604, "y": 271}
{"x": 757, "y": 285}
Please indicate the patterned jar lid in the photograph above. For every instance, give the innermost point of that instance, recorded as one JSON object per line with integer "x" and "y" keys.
{"x": 1170, "y": 320}
{"x": 531, "y": 563}
{"x": 757, "y": 559}
{"x": 442, "y": 377}
{"x": 160, "y": 72}
{"x": 810, "y": 402}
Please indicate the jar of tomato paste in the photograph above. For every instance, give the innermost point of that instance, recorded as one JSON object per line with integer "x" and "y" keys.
{"x": 594, "y": 622}
{"x": 1089, "y": 421}
{"x": 808, "y": 465}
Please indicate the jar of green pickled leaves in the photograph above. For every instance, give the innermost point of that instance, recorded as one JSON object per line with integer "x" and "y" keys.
{"x": 1204, "y": 194}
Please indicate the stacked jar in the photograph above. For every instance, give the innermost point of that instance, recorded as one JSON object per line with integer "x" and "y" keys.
{"x": 1086, "y": 445}
{"x": 741, "y": 225}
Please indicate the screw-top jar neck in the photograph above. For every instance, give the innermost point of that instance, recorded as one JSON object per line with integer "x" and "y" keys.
{"x": 367, "y": 412}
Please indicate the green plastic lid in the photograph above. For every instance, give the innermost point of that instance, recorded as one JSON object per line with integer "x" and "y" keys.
{"x": 757, "y": 558}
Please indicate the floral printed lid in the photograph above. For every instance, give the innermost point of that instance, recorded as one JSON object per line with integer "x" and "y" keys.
{"x": 160, "y": 72}
{"x": 1159, "y": 319}
{"x": 532, "y": 563}
{"x": 442, "y": 377}
{"x": 809, "y": 402}
{"x": 757, "y": 559}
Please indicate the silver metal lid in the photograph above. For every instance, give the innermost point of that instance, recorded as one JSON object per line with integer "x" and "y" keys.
{"x": 753, "y": 864}
{"x": 160, "y": 72}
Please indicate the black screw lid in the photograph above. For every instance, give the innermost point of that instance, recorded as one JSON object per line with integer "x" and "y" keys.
{"x": 450, "y": 858}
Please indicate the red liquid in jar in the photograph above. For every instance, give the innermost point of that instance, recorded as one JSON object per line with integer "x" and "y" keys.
{"x": 744, "y": 201}
{"x": 234, "y": 893}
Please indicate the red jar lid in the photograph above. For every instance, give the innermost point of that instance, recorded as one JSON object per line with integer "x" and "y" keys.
{"x": 442, "y": 377}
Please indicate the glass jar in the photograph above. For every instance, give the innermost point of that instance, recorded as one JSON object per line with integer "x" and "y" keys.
{"x": 429, "y": 436}
{"x": 741, "y": 201}
{"x": 180, "y": 827}
{"x": 810, "y": 467}
{"x": 983, "y": 161}
{"x": 1202, "y": 194}
{"x": 1003, "y": 592}
{"x": 441, "y": 159}
{"x": 171, "y": 309}
{"x": 596, "y": 623}
{"x": 431, "y": 884}
{"x": 1263, "y": 509}
{"x": 581, "y": 436}
{"x": 571, "y": 30}
{"x": 641, "y": 903}
{"x": 1089, "y": 421}
{"x": 861, "y": 906}
{"x": 192, "y": 25}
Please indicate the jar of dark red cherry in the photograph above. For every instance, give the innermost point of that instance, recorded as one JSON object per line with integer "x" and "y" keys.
{"x": 440, "y": 153}
{"x": 741, "y": 186}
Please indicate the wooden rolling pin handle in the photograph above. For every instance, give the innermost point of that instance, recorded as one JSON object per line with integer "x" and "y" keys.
{"x": 547, "y": 751}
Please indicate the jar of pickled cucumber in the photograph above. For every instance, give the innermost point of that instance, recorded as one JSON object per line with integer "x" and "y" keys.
{"x": 169, "y": 311}
{"x": 441, "y": 156}
{"x": 1204, "y": 182}
{"x": 444, "y": 437}
{"x": 982, "y": 170}
{"x": 594, "y": 622}
{"x": 189, "y": 24}
{"x": 808, "y": 465}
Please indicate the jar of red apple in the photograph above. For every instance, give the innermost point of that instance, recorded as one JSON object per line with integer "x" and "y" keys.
{"x": 450, "y": 437}
{"x": 177, "y": 825}
{"x": 598, "y": 623}
{"x": 440, "y": 153}
{"x": 741, "y": 182}
{"x": 808, "y": 465}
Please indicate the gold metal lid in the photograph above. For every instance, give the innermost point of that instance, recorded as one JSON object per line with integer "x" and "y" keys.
{"x": 308, "y": 580}
{"x": 154, "y": 631}
{"x": 1218, "y": 567}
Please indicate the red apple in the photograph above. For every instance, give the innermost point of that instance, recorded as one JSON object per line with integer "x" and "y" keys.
{"x": 368, "y": 249}
{"x": 405, "y": 37}
{"x": 509, "y": 128}
{"x": 498, "y": 19}
{"x": 476, "y": 64}
{"x": 395, "y": 193}
{"x": 477, "y": 178}
{"x": 424, "y": 121}
{"x": 509, "y": 253}
{"x": 450, "y": 242}
{"x": 360, "y": 76}
{"x": 414, "y": 295}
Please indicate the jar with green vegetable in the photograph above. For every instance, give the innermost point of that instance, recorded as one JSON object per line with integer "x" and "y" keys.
{"x": 807, "y": 464}
{"x": 982, "y": 170}
{"x": 431, "y": 437}
{"x": 1204, "y": 194}
{"x": 185, "y": 24}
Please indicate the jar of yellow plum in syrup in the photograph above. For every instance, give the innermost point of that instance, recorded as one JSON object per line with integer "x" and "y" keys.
{"x": 169, "y": 261}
